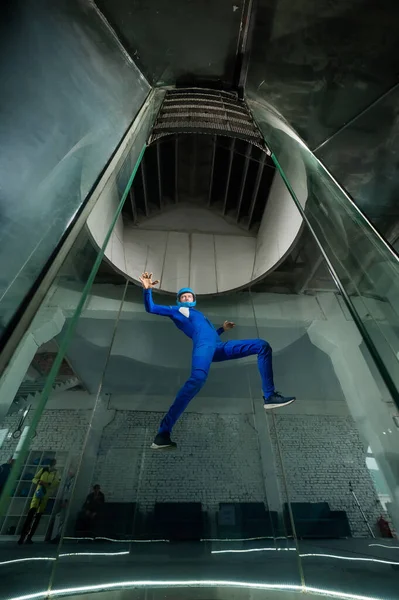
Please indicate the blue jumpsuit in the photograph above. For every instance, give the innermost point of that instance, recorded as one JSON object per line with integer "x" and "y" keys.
{"x": 207, "y": 348}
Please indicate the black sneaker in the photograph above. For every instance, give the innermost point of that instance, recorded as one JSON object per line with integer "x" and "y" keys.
{"x": 276, "y": 400}
{"x": 162, "y": 441}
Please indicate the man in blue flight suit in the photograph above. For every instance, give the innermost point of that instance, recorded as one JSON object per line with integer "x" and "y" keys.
{"x": 207, "y": 348}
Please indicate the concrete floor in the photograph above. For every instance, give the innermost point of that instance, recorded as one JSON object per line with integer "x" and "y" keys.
{"x": 351, "y": 566}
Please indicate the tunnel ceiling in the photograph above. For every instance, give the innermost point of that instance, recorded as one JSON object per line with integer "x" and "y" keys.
{"x": 228, "y": 176}
{"x": 207, "y": 172}
{"x": 324, "y": 65}
{"x": 304, "y": 59}
{"x": 206, "y": 206}
{"x": 205, "y": 151}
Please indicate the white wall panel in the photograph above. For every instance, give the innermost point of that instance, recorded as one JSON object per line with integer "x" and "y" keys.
{"x": 202, "y": 263}
{"x": 175, "y": 274}
{"x": 234, "y": 261}
{"x": 136, "y": 251}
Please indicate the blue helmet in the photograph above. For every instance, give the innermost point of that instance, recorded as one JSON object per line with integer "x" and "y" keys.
{"x": 180, "y": 292}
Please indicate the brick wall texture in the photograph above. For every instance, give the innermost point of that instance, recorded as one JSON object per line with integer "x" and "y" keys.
{"x": 217, "y": 460}
{"x": 321, "y": 456}
{"x": 60, "y": 430}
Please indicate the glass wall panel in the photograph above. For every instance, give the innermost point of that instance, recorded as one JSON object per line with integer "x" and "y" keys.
{"x": 213, "y": 504}
{"x": 366, "y": 268}
{"x": 336, "y": 447}
{"x": 362, "y": 156}
{"x": 313, "y": 62}
{"x": 71, "y": 94}
{"x": 48, "y": 402}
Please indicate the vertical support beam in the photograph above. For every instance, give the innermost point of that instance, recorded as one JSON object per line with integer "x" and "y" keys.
{"x": 145, "y": 189}
{"x": 193, "y": 170}
{"x": 176, "y": 168}
{"x": 159, "y": 170}
{"x": 341, "y": 340}
{"x": 243, "y": 179}
{"x": 244, "y": 47}
{"x": 47, "y": 323}
{"x": 133, "y": 204}
{"x": 231, "y": 156}
{"x": 256, "y": 189}
{"x": 212, "y": 169}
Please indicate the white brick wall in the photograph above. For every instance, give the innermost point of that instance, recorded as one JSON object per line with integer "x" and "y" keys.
{"x": 217, "y": 460}
{"x": 321, "y": 455}
{"x": 62, "y": 430}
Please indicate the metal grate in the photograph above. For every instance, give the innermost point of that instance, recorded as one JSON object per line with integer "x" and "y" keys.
{"x": 205, "y": 149}
{"x": 197, "y": 110}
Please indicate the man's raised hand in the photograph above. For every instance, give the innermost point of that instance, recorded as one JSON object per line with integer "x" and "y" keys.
{"x": 228, "y": 325}
{"x": 146, "y": 281}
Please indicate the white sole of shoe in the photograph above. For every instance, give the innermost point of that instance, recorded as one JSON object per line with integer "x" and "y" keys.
{"x": 156, "y": 447}
{"x": 270, "y": 406}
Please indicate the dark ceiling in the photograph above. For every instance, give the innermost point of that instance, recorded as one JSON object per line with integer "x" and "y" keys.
{"x": 324, "y": 65}
{"x": 187, "y": 41}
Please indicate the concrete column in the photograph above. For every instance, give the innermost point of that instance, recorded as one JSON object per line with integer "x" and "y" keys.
{"x": 45, "y": 326}
{"x": 340, "y": 339}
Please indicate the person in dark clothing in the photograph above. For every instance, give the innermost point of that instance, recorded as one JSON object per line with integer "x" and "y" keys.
{"x": 94, "y": 502}
{"x": 88, "y": 517}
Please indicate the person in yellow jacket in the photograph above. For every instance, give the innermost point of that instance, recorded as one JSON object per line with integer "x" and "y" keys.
{"x": 46, "y": 480}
